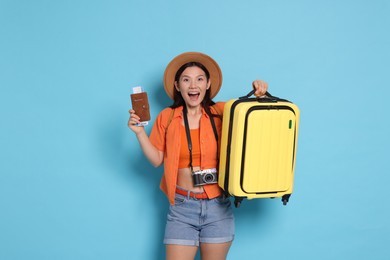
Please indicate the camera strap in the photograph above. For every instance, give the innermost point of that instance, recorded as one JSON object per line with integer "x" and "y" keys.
{"x": 187, "y": 127}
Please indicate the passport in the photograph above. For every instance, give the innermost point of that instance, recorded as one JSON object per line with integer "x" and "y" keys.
{"x": 140, "y": 104}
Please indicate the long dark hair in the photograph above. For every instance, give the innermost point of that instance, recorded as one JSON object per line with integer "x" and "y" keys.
{"x": 178, "y": 99}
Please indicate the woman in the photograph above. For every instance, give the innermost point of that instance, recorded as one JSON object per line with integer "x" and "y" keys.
{"x": 185, "y": 138}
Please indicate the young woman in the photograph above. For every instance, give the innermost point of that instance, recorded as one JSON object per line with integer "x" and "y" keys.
{"x": 185, "y": 138}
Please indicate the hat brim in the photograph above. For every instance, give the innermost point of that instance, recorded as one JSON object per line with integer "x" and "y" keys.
{"x": 205, "y": 60}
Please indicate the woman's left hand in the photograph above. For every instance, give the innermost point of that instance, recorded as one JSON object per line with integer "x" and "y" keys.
{"x": 260, "y": 86}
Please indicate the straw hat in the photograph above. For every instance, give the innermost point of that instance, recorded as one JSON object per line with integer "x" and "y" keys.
{"x": 205, "y": 60}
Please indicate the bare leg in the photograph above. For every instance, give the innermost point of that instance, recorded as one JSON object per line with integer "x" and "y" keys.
{"x": 210, "y": 251}
{"x": 179, "y": 252}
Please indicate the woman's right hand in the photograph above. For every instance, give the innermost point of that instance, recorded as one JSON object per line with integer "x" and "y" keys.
{"x": 133, "y": 121}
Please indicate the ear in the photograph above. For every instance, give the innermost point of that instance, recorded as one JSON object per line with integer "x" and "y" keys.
{"x": 177, "y": 86}
{"x": 208, "y": 84}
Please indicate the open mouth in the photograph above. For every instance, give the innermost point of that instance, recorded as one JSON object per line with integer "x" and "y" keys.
{"x": 193, "y": 95}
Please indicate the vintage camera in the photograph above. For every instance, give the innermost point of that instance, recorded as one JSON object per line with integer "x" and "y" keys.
{"x": 203, "y": 177}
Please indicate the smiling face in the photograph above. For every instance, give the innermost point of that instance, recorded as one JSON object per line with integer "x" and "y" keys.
{"x": 192, "y": 85}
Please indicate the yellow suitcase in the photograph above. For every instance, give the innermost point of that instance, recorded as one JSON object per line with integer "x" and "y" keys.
{"x": 258, "y": 148}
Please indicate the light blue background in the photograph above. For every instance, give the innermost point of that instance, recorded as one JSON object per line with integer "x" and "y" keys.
{"x": 73, "y": 181}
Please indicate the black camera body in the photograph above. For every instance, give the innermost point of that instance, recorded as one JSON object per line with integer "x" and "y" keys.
{"x": 203, "y": 177}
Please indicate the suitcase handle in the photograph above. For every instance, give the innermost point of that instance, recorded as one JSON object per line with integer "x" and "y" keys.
{"x": 268, "y": 98}
{"x": 253, "y": 92}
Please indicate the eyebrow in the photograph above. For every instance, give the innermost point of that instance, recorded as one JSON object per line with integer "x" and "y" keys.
{"x": 200, "y": 75}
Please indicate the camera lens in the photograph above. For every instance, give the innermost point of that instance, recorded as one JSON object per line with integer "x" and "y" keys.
{"x": 208, "y": 178}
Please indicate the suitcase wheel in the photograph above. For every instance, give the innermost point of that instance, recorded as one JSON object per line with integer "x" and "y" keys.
{"x": 237, "y": 201}
{"x": 285, "y": 199}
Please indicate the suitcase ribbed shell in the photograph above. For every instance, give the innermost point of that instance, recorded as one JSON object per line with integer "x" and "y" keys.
{"x": 258, "y": 147}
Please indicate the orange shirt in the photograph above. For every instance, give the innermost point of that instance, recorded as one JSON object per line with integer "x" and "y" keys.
{"x": 168, "y": 141}
{"x": 184, "y": 155}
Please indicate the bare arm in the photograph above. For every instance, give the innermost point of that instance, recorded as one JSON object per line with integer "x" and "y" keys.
{"x": 154, "y": 155}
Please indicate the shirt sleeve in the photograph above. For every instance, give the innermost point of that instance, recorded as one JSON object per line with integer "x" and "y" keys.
{"x": 220, "y": 106}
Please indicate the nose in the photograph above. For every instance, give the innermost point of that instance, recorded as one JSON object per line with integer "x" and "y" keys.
{"x": 193, "y": 84}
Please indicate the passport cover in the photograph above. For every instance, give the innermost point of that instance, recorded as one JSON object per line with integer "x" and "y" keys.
{"x": 140, "y": 104}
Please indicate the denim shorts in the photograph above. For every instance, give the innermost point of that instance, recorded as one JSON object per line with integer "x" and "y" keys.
{"x": 192, "y": 221}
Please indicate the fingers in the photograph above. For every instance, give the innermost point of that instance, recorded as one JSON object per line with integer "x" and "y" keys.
{"x": 134, "y": 119}
{"x": 260, "y": 87}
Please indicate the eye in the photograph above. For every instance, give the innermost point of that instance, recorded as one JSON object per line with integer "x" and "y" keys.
{"x": 200, "y": 79}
